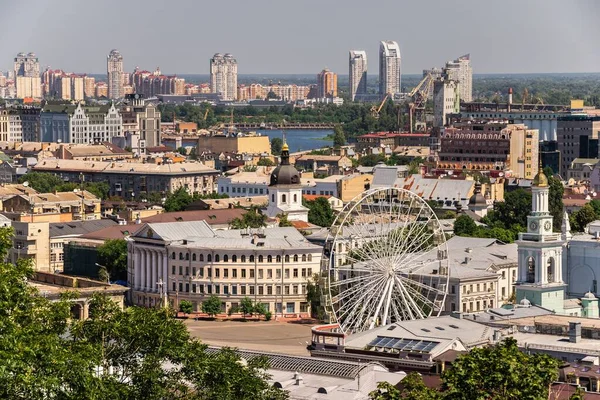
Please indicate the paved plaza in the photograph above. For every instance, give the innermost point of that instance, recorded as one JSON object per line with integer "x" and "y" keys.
{"x": 272, "y": 336}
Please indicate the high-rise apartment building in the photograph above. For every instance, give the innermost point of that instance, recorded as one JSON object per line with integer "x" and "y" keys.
{"x": 64, "y": 87}
{"x": 460, "y": 70}
{"x": 114, "y": 66}
{"x": 223, "y": 76}
{"x": 89, "y": 86}
{"x": 27, "y": 76}
{"x": 326, "y": 84}
{"x": 77, "y": 87}
{"x": 357, "y": 74}
{"x": 446, "y": 100}
{"x": 389, "y": 68}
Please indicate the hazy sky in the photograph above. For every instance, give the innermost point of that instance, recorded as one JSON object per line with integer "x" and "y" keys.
{"x": 303, "y": 36}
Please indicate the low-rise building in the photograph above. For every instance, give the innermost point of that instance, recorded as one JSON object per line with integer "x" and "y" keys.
{"x": 245, "y": 183}
{"x": 128, "y": 180}
{"x": 96, "y": 152}
{"x": 251, "y": 143}
{"x": 191, "y": 261}
{"x": 581, "y": 169}
{"x": 52, "y": 207}
{"x": 333, "y": 165}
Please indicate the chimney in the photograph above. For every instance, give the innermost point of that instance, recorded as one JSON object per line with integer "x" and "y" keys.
{"x": 574, "y": 332}
{"x": 510, "y": 99}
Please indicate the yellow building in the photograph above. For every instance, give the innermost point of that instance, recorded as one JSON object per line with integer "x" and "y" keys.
{"x": 243, "y": 144}
{"x": 327, "y": 84}
{"x": 351, "y": 186}
{"x": 52, "y": 207}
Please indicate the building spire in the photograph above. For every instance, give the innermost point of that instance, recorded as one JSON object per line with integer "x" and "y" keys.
{"x": 285, "y": 152}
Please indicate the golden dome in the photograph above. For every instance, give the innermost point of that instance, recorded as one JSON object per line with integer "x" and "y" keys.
{"x": 285, "y": 147}
{"x": 540, "y": 180}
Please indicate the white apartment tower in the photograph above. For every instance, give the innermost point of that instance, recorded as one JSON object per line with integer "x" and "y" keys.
{"x": 223, "y": 76}
{"x": 27, "y": 76}
{"x": 460, "y": 70}
{"x": 358, "y": 74}
{"x": 389, "y": 68}
{"x": 114, "y": 69}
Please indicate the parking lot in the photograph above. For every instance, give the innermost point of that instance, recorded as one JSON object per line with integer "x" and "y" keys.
{"x": 272, "y": 336}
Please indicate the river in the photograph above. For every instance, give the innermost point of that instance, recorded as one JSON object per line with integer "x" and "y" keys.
{"x": 300, "y": 139}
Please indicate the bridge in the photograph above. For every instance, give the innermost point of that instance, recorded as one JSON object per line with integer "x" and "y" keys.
{"x": 281, "y": 126}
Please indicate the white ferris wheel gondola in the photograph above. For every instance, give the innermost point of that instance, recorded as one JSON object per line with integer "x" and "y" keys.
{"x": 387, "y": 261}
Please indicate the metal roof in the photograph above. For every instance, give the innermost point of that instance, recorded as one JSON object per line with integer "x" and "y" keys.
{"x": 76, "y": 228}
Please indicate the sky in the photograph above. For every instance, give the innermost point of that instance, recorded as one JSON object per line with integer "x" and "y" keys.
{"x": 303, "y": 36}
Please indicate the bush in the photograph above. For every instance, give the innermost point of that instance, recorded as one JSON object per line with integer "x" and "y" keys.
{"x": 185, "y": 306}
{"x": 268, "y": 316}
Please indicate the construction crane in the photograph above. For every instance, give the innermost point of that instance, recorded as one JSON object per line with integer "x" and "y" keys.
{"x": 416, "y": 107}
{"x": 524, "y": 99}
{"x": 375, "y": 110}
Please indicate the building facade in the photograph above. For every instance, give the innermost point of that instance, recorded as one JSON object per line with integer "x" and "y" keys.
{"x": 27, "y": 76}
{"x": 389, "y": 68}
{"x": 270, "y": 266}
{"x": 326, "y": 84}
{"x": 577, "y": 138}
{"x": 460, "y": 71}
{"x": 357, "y": 74}
{"x": 446, "y": 100}
{"x": 114, "y": 69}
{"x": 142, "y": 118}
{"x": 223, "y": 76}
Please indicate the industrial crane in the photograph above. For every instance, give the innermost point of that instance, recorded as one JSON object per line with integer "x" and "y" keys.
{"x": 375, "y": 110}
{"x": 416, "y": 107}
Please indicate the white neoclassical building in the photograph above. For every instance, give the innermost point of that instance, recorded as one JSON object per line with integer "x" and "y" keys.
{"x": 189, "y": 260}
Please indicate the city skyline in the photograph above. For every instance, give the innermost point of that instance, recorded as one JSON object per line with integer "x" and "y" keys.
{"x": 185, "y": 50}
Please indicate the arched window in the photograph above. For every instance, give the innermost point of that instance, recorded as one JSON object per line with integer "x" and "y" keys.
{"x": 295, "y": 257}
{"x": 252, "y": 258}
{"x": 261, "y": 258}
{"x": 187, "y": 256}
{"x": 181, "y": 256}
{"x": 225, "y": 258}
{"x": 269, "y": 258}
{"x": 272, "y": 198}
{"x": 278, "y": 258}
{"x": 217, "y": 258}
{"x": 530, "y": 270}
{"x": 243, "y": 259}
{"x": 551, "y": 270}
{"x": 201, "y": 257}
{"x": 194, "y": 257}
{"x": 173, "y": 255}
{"x": 287, "y": 258}
{"x": 209, "y": 257}
{"x": 310, "y": 257}
{"x": 303, "y": 257}
{"x": 234, "y": 258}
{"x": 283, "y": 198}
{"x": 295, "y": 198}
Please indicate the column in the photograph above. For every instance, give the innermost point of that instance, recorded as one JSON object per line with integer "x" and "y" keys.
{"x": 142, "y": 269}
{"x": 148, "y": 269}
{"x": 154, "y": 269}
{"x": 136, "y": 268}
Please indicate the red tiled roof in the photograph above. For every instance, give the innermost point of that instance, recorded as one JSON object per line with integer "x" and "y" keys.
{"x": 300, "y": 224}
{"x": 312, "y": 197}
{"x": 112, "y": 232}
{"x": 212, "y": 217}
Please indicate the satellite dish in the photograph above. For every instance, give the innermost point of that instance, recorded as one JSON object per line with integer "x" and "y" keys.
{"x": 594, "y": 194}
{"x": 26, "y": 183}
{"x": 450, "y": 173}
{"x": 501, "y": 174}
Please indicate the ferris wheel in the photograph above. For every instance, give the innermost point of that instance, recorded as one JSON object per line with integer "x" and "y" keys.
{"x": 387, "y": 261}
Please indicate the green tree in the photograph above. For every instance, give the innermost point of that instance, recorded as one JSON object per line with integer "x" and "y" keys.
{"x": 501, "y": 371}
{"x": 339, "y": 138}
{"x": 185, "y": 306}
{"x": 182, "y": 150}
{"x": 464, "y": 226}
{"x": 511, "y": 213}
{"x": 178, "y": 200}
{"x": 260, "y": 309}
{"x": 582, "y": 217}
{"x": 555, "y": 199}
{"x": 113, "y": 256}
{"x": 43, "y": 182}
{"x": 211, "y": 306}
{"x": 246, "y": 306}
{"x": 276, "y": 145}
{"x": 319, "y": 211}
{"x": 314, "y": 293}
{"x": 253, "y": 218}
{"x": 265, "y": 162}
{"x": 283, "y": 220}
{"x": 371, "y": 160}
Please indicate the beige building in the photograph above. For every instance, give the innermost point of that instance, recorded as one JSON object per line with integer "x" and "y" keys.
{"x": 223, "y": 76}
{"x": 242, "y": 144}
{"x": 127, "y": 180}
{"x": 29, "y": 87}
{"x": 270, "y": 267}
{"x": 353, "y": 185}
{"x": 92, "y": 152}
{"x": 89, "y": 86}
{"x": 52, "y": 207}
{"x": 327, "y": 83}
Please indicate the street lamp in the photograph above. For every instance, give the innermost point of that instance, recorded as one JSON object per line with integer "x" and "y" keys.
{"x": 107, "y": 274}
{"x": 162, "y": 287}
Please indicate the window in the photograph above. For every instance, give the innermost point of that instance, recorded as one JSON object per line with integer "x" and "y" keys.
{"x": 503, "y": 274}
{"x": 304, "y": 272}
{"x": 173, "y": 255}
{"x": 278, "y": 259}
{"x": 251, "y": 289}
{"x": 234, "y": 290}
{"x": 251, "y": 258}
{"x": 295, "y": 257}
{"x": 180, "y": 286}
{"x": 310, "y": 257}
{"x": 193, "y": 271}
{"x": 217, "y": 258}
{"x": 187, "y": 271}
{"x": 272, "y": 198}
{"x": 295, "y": 289}
{"x": 303, "y": 257}
{"x": 209, "y": 258}
{"x": 283, "y": 198}
{"x": 251, "y": 273}
{"x": 201, "y": 271}
{"x": 174, "y": 287}
{"x": 295, "y": 273}
{"x": 187, "y": 256}
{"x": 260, "y": 259}
{"x": 277, "y": 274}
{"x": 194, "y": 257}
{"x": 173, "y": 269}
{"x": 243, "y": 273}
{"x": 217, "y": 289}
{"x": 181, "y": 256}
{"x": 225, "y": 273}
{"x": 201, "y": 257}
{"x": 295, "y": 198}
{"x": 225, "y": 258}
{"x": 187, "y": 287}
{"x": 287, "y": 258}
{"x": 225, "y": 289}
{"x": 261, "y": 290}
{"x": 269, "y": 289}
{"x": 243, "y": 259}
{"x": 269, "y": 258}
{"x": 269, "y": 274}
{"x": 287, "y": 273}
{"x": 278, "y": 290}
{"x": 309, "y": 271}
{"x": 260, "y": 274}
{"x": 234, "y": 273}
{"x": 217, "y": 272}
{"x": 286, "y": 289}
{"x": 180, "y": 270}
{"x": 243, "y": 290}
{"x": 234, "y": 258}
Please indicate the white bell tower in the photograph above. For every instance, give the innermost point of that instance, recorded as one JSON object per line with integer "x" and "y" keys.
{"x": 540, "y": 253}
